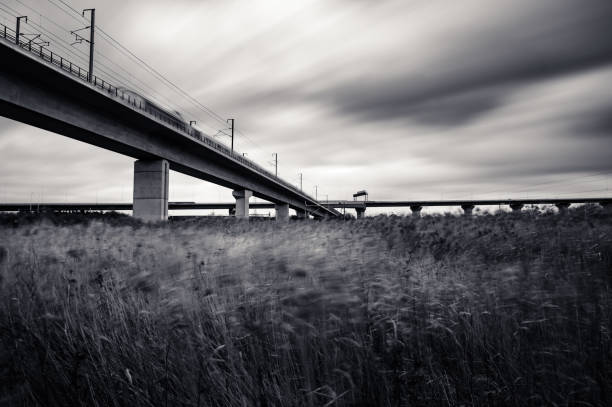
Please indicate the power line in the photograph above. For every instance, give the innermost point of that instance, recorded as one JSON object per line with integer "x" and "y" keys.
{"x": 189, "y": 97}
{"x": 83, "y": 57}
{"x": 75, "y": 52}
{"x": 103, "y": 56}
{"x": 121, "y": 48}
{"x": 70, "y": 7}
{"x": 80, "y": 55}
{"x": 152, "y": 70}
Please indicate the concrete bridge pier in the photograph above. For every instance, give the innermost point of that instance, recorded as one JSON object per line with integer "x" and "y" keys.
{"x": 467, "y": 209}
{"x": 563, "y": 207}
{"x": 242, "y": 202}
{"x": 607, "y": 206}
{"x": 360, "y": 212}
{"x": 151, "y": 190}
{"x": 516, "y": 207}
{"x": 301, "y": 214}
{"x": 282, "y": 212}
{"x": 416, "y": 211}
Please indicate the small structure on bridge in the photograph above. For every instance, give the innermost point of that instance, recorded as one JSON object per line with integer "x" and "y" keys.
{"x": 361, "y": 193}
{"x": 360, "y": 209}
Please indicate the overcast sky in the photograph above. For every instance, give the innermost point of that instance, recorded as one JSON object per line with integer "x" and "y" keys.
{"x": 410, "y": 99}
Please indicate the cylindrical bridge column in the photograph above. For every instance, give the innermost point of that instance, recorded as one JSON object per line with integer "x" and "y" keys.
{"x": 516, "y": 207}
{"x": 242, "y": 202}
{"x": 563, "y": 207}
{"x": 360, "y": 212}
{"x": 416, "y": 210}
{"x": 282, "y": 212}
{"x": 467, "y": 209}
{"x": 151, "y": 190}
{"x": 607, "y": 206}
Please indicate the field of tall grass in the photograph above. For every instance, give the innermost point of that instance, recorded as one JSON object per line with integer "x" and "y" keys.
{"x": 494, "y": 310}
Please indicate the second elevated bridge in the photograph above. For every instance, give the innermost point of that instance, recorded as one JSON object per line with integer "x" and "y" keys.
{"x": 359, "y": 206}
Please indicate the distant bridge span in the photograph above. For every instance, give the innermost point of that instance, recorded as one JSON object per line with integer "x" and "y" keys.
{"x": 359, "y": 206}
{"x": 39, "y": 88}
{"x": 467, "y": 205}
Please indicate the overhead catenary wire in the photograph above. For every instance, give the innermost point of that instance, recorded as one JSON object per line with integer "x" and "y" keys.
{"x": 120, "y": 47}
{"x": 113, "y": 75}
{"x": 77, "y": 17}
{"x": 125, "y": 50}
{"x": 96, "y": 52}
{"x": 129, "y": 53}
{"x": 82, "y": 59}
{"x": 81, "y": 56}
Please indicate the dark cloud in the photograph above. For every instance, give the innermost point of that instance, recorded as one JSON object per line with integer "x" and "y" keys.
{"x": 395, "y": 101}
{"x": 562, "y": 37}
{"x": 597, "y": 122}
{"x": 475, "y": 67}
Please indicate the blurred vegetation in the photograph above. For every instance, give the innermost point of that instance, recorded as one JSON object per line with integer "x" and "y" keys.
{"x": 497, "y": 309}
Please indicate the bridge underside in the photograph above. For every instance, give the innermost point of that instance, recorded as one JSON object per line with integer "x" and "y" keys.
{"x": 45, "y": 97}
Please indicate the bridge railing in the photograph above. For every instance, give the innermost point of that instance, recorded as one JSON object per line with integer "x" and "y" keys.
{"x": 81, "y": 73}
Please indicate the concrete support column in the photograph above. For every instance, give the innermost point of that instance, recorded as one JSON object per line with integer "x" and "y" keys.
{"x": 467, "y": 209}
{"x": 563, "y": 206}
{"x": 301, "y": 214}
{"x": 242, "y": 202}
{"x": 282, "y": 212}
{"x": 516, "y": 207}
{"x": 360, "y": 212}
{"x": 151, "y": 190}
{"x": 607, "y": 206}
{"x": 416, "y": 211}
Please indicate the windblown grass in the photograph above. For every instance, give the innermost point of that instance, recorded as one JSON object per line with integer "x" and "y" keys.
{"x": 385, "y": 311}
